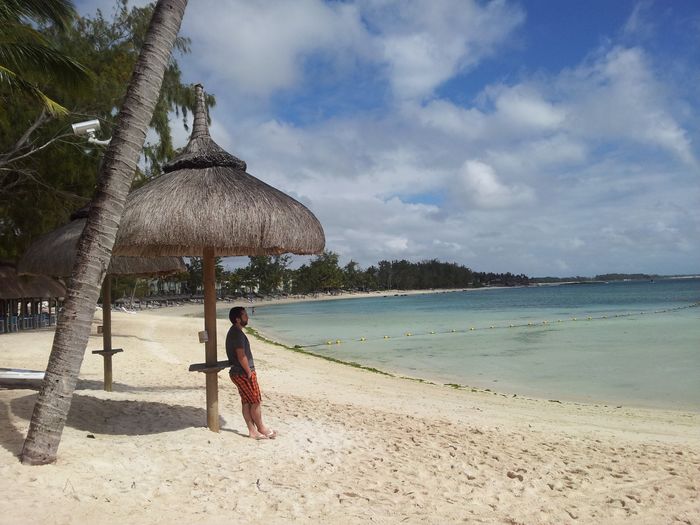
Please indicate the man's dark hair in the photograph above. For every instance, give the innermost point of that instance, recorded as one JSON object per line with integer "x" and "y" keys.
{"x": 235, "y": 313}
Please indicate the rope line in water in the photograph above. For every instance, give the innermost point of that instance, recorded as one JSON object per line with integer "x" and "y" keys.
{"x": 529, "y": 324}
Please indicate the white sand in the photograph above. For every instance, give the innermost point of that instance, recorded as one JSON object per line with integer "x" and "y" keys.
{"x": 353, "y": 446}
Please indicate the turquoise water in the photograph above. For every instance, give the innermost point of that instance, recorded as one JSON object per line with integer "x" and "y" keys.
{"x": 629, "y": 343}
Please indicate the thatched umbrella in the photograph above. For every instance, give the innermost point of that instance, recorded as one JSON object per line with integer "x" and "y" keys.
{"x": 54, "y": 254}
{"x": 14, "y": 287}
{"x": 207, "y": 205}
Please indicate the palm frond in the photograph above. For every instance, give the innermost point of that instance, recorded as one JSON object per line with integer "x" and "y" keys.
{"x": 16, "y": 32}
{"x": 58, "y": 12}
{"x": 44, "y": 60}
{"x": 13, "y": 81}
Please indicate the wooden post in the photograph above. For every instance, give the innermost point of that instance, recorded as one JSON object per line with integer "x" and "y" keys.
{"x": 107, "y": 331}
{"x": 209, "y": 268}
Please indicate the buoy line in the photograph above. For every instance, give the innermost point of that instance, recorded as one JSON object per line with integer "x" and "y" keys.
{"x": 529, "y": 324}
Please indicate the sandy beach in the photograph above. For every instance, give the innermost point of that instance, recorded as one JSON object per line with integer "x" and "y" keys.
{"x": 353, "y": 446}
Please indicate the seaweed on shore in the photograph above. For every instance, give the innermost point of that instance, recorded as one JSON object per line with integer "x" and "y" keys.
{"x": 301, "y": 350}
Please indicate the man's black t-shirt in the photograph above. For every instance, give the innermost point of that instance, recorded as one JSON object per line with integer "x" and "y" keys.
{"x": 237, "y": 339}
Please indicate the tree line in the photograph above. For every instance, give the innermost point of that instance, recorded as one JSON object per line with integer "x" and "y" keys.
{"x": 272, "y": 275}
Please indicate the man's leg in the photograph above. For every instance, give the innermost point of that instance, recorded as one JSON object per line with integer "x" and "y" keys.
{"x": 256, "y": 415}
{"x": 250, "y": 422}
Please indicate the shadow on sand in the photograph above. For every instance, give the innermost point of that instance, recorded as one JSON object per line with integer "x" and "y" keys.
{"x": 91, "y": 384}
{"x": 105, "y": 416}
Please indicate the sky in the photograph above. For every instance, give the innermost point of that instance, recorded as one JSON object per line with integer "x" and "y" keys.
{"x": 544, "y": 137}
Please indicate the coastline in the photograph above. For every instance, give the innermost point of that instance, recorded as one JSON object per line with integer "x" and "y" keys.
{"x": 194, "y": 308}
{"x": 353, "y": 446}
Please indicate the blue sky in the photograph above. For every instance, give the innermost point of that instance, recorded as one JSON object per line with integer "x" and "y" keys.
{"x": 544, "y": 137}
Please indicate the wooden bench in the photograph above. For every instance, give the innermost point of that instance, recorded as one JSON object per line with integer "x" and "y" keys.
{"x": 209, "y": 369}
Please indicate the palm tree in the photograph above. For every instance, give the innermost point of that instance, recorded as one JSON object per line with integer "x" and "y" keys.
{"x": 26, "y": 56}
{"x": 95, "y": 246}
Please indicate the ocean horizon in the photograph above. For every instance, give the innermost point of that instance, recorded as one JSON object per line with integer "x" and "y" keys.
{"x": 619, "y": 343}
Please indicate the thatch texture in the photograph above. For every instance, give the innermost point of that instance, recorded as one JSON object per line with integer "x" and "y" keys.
{"x": 54, "y": 254}
{"x": 206, "y": 199}
{"x": 13, "y": 286}
{"x": 9, "y": 282}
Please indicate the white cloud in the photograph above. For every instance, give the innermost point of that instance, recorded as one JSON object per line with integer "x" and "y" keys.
{"x": 528, "y": 158}
{"x": 396, "y": 244}
{"x": 257, "y": 47}
{"x": 481, "y": 185}
{"x": 449, "y": 118}
{"x": 619, "y": 96}
{"x": 426, "y": 42}
{"x": 522, "y": 106}
{"x": 638, "y": 23}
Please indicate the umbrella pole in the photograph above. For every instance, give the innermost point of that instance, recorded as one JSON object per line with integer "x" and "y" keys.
{"x": 107, "y": 331}
{"x": 210, "y": 348}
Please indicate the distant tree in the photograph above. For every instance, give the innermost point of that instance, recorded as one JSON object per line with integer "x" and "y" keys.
{"x": 352, "y": 276}
{"x": 322, "y": 274}
{"x": 268, "y": 271}
{"x": 195, "y": 273}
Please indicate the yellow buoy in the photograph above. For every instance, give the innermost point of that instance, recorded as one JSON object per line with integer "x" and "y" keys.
{"x": 337, "y": 341}
{"x": 432, "y": 331}
{"x": 472, "y": 328}
{"x": 329, "y": 343}
{"x": 386, "y": 337}
{"x": 408, "y": 334}
{"x": 363, "y": 339}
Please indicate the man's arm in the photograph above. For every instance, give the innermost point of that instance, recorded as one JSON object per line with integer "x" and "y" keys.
{"x": 243, "y": 360}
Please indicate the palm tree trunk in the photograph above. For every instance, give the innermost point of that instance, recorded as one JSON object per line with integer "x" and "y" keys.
{"x": 97, "y": 240}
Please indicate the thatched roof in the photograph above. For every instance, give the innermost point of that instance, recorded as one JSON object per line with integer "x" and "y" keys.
{"x": 54, "y": 254}
{"x": 13, "y": 286}
{"x": 206, "y": 199}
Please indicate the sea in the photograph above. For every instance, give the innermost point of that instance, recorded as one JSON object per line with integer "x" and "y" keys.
{"x": 634, "y": 343}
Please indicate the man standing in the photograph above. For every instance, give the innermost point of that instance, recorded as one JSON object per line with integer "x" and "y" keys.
{"x": 243, "y": 374}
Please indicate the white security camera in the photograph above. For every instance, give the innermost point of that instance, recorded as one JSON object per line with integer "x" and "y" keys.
{"x": 89, "y": 128}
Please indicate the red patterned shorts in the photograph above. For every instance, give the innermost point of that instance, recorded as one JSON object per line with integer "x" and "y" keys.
{"x": 248, "y": 388}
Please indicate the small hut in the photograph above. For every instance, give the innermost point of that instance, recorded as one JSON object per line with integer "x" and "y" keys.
{"x": 21, "y": 298}
{"x": 54, "y": 254}
{"x": 206, "y": 205}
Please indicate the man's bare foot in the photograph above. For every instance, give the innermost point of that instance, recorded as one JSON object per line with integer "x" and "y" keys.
{"x": 268, "y": 432}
